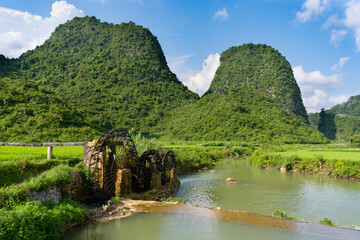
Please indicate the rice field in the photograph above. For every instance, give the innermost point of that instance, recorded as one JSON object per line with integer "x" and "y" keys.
{"x": 353, "y": 155}
{"x": 10, "y": 153}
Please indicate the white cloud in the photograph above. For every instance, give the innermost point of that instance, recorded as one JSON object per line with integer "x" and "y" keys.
{"x": 22, "y": 31}
{"x": 310, "y": 9}
{"x": 179, "y": 67}
{"x": 201, "y": 81}
{"x": 316, "y": 102}
{"x": 320, "y": 99}
{"x": 352, "y": 19}
{"x": 338, "y": 66}
{"x": 197, "y": 80}
{"x": 221, "y": 14}
{"x": 333, "y": 20}
{"x": 337, "y": 36}
{"x": 308, "y": 81}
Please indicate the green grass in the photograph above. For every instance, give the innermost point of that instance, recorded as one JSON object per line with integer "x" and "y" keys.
{"x": 11, "y": 153}
{"x": 327, "y": 154}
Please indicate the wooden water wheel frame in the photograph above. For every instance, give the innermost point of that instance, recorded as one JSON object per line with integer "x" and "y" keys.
{"x": 120, "y": 153}
{"x": 116, "y": 150}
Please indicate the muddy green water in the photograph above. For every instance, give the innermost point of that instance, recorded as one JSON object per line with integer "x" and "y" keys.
{"x": 305, "y": 196}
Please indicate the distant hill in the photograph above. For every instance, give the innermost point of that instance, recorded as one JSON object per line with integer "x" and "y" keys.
{"x": 350, "y": 107}
{"x": 340, "y": 122}
{"x": 253, "y": 96}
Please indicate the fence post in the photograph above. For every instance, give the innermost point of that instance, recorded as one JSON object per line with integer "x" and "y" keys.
{"x": 49, "y": 152}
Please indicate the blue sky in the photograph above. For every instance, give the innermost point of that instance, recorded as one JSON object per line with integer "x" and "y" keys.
{"x": 320, "y": 38}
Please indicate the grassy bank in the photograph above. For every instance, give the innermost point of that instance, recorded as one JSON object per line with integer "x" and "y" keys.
{"x": 191, "y": 156}
{"x": 325, "y": 159}
{"x": 21, "y": 218}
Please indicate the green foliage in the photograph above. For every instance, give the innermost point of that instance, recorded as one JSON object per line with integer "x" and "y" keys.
{"x": 261, "y": 102}
{"x": 116, "y": 200}
{"x": 115, "y": 75}
{"x": 142, "y": 143}
{"x": 341, "y": 122}
{"x": 314, "y": 163}
{"x": 172, "y": 199}
{"x": 16, "y": 171}
{"x": 280, "y": 214}
{"x": 262, "y": 68}
{"x": 326, "y": 221}
{"x": 31, "y": 113}
{"x": 32, "y": 220}
{"x": 90, "y": 77}
{"x": 57, "y": 176}
{"x": 351, "y": 107}
{"x": 355, "y": 140}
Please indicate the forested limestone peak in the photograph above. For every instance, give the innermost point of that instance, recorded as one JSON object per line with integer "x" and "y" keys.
{"x": 263, "y": 68}
{"x": 116, "y": 74}
{"x": 350, "y": 107}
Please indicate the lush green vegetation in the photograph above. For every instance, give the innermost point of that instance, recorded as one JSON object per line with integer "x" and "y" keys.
{"x": 21, "y": 218}
{"x": 261, "y": 102}
{"x": 12, "y": 153}
{"x": 56, "y": 176}
{"x": 116, "y": 76}
{"x": 355, "y": 140}
{"x": 30, "y": 113}
{"x": 352, "y": 155}
{"x": 337, "y": 163}
{"x": 351, "y": 107}
{"x": 341, "y": 122}
{"x": 192, "y": 156}
{"x": 32, "y": 220}
{"x": 326, "y": 221}
{"x": 262, "y": 68}
{"x": 280, "y": 214}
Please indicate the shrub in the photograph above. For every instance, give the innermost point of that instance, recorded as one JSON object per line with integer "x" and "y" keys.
{"x": 280, "y": 214}
{"x": 32, "y": 220}
{"x": 326, "y": 221}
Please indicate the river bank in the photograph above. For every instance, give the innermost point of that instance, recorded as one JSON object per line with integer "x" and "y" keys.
{"x": 338, "y": 168}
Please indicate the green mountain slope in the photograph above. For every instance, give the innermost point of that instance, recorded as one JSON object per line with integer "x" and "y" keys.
{"x": 244, "y": 103}
{"x": 339, "y": 122}
{"x": 31, "y": 113}
{"x": 116, "y": 74}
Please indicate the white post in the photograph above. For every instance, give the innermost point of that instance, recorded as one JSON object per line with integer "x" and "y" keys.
{"x": 49, "y": 152}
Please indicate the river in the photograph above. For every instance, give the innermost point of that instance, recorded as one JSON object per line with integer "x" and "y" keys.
{"x": 309, "y": 197}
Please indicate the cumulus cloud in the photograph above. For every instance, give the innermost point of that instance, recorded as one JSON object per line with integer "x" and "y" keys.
{"x": 22, "y": 31}
{"x": 320, "y": 99}
{"x": 221, "y": 14}
{"x": 196, "y": 80}
{"x": 338, "y": 66}
{"x": 200, "y": 81}
{"x": 352, "y": 19}
{"x": 310, "y": 9}
{"x": 333, "y": 20}
{"x": 178, "y": 66}
{"x": 308, "y": 81}
{"x": 337, "y": 36}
